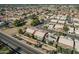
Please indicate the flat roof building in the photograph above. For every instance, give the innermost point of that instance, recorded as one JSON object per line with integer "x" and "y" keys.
{"x": 50, "y": 26}
{"x": 63, "y": 18}
{"x": 76, "y": 19}
{"x": 62, "y": 22}
{"x": 51, "y": 37}
{"x": 40, "y": 35}
{"x": 77, "y": 45}
{"x": 31, "y": 31}
{"x": 66, "y": 42}
{"x": 71, "y": 30}
{"x": 53, "y": 21}
{"x": 77, "y": 31}
{"x": 58, "y": 26}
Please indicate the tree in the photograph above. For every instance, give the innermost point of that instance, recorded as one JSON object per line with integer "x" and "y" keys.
{"x": 18, "y": 23}
{"x": 35, "y": 22}
{"x": 24, "y": 14}
{"x": 45, "y": 26}
{"x": 20, "y": 31}
{"x": 2, "y": 10}
{"x": 65, "y": 28}
{"x": 58, "y": 34}
{"x": 57, "y": 41}
{"x": 73, "y": 51}
{"x": 34, "y": 16}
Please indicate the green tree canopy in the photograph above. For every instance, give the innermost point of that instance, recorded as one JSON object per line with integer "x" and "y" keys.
{"x": 35, "y": 22}
{"x": 18, "y": 23}
{"x": 65, "y": 28}
{"x": 20, "y": 31}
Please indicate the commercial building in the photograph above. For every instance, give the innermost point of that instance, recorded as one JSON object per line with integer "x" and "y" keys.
{"x": 31, "y": 31}
{"x": 66, "y": 42}
{"x": 38, "y": 34}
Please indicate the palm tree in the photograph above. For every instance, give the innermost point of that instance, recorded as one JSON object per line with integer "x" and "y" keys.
{"x": 57, "y": 41}
{"x": 73, "y": 51}
{"x": 59, "y": 34}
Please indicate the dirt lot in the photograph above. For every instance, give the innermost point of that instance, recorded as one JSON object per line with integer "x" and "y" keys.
{"x": 10, "y": 31}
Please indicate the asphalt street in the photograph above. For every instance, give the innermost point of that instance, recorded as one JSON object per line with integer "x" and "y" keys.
{"x": 23, "y": 47}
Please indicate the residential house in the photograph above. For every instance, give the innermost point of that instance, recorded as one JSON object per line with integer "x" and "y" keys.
{"x": 71, "y": 29}
{"x": 61, "y": 22}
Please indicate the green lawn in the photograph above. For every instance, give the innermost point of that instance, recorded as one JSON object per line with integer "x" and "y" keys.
{"x": 4, "y": 50}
